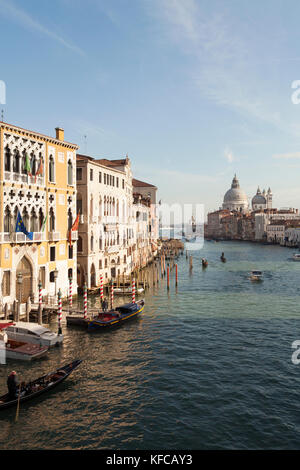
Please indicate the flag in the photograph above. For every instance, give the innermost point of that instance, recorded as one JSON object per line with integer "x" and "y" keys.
{"x": 20, "y": 227}
{"x": 74, "y": 228}
{"x": 27, "y": 165}
{"x": 44, "y": 224}
{"x": 40, "y": 169}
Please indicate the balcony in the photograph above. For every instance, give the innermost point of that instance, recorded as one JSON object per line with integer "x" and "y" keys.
{"x": 24, "y": 178}
{"x": 74, "y": 235}
{"x": 20, "y": 237}
{"x": 54, "y": 236}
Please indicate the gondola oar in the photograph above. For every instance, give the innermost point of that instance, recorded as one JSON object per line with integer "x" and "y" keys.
{"x": 18, "y": 406}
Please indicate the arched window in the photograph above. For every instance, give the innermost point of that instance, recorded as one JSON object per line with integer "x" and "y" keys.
{"x": 41, "y": 219}
{"x": 79, "y": 203}
{"x": 26, "y": 219}
{"x": 92, "y": 243}
{"x": 16, "y": 162}
{"x": 100, "y": 207}
{"x": 70, "y": 219}
{"x": 15, "y": 216}
{"x": 7, "y": 220}
{"x": 51, "y": 169}
{"x": 70, "y": 172}
{"x": 52, "y": 220}
{"x": 33, "y": 164}
{"x": 23, "y": 166}
{"x": 33, "y": 221}
{"x": 7, "y": 159}
{"x": 91, "y": 206}
{"x": 100, "y": 242}
{"x": 79, "y": 245}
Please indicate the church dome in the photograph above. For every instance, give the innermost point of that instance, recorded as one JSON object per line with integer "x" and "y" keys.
{"x": 259, "y": 197}
{"x": 235, "y": 198}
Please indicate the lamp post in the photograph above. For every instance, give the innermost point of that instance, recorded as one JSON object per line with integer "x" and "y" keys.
{"x": 19, "y": 280}
{"x": 55, "y": 279}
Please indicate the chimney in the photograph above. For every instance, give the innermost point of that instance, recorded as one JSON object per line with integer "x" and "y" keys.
{"x": 60, "y": 133}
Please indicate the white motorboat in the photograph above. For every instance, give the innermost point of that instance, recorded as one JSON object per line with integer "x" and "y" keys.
{"x": 127, "y": 290}
{"x": 256, "y": 276}
{"x": 33, "y": 333}
{"x": 19, "y": 350}
{"x": 296, "y": 256}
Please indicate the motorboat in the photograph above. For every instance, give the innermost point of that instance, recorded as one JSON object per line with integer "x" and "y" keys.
{"x": 33, "y": 333}
{"x": 19, "y": 350}
{"x": 204, "y": 263}
{"x": 256, "y": 276}
{"x": 127, "y": 290}
{"x": 296, "y": 256}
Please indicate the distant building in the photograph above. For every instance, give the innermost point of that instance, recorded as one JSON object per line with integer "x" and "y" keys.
{"x": 235, "y": 198}
{"x": 262, "y": 200}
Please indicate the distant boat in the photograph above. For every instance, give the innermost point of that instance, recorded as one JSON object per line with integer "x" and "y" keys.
{"x": 256, "y": 276}
{"x": 296, "y": 256}
{"x": 204, "y": 263}
{"x": 222, "y": 258}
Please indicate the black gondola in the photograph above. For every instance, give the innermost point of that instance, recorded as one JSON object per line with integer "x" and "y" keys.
{"x": 41, "y": 385}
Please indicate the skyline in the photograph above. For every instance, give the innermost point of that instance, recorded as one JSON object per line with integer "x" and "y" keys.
{"x": 193, "y": 91}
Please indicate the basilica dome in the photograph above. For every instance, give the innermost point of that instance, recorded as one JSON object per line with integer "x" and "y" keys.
{"x": 235, "y": 198}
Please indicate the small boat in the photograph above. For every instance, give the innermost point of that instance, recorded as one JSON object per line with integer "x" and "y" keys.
{"x": 127, "y": 290}
{"x": 116, "y": 317}
{"x": 41, "y": 385}
{"x": 222, "y": 258}
{"x": 19, "y": 350}
{"x": 296, "y": 256}
{"x": 33, "y": 333}
{"x": 256, "y": 276}
{"x": 204, "y": 263}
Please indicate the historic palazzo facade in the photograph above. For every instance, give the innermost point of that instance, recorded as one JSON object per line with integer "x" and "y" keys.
{"x": 37, "y": 181}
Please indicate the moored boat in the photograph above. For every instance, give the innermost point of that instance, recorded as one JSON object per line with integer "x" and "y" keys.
{"x": 41, "y": 385}
{"x": 116, "y": 317}
{"x": 33, "y": 333}
{"x": 19, "y": 350}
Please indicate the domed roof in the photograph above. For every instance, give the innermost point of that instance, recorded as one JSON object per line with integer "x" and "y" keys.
{"x": 259, "y": 198}
{"x": 235, "y": 195}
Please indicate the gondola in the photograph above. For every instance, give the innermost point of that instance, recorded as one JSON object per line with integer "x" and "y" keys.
{"x": 41, "y": 385}
{"x": 116, "y": 317}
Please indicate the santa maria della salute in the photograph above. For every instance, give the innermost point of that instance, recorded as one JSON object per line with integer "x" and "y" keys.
{"x": 240, "y": 218}
{"x": 235, "y": 199}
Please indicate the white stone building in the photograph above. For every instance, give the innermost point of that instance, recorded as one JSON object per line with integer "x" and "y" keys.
{"x": 106, "y": 230}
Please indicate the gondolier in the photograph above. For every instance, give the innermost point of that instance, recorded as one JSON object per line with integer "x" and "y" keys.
{"x": 12, "y": 384}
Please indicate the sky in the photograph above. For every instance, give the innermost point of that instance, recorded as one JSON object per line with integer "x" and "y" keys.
{"x": 193, "y": 91}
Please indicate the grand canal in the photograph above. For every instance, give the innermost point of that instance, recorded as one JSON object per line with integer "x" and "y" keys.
{"x": 206, "y": 367}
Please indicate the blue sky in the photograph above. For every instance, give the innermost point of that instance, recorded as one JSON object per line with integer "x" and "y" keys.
{"x": 193, "y": 90}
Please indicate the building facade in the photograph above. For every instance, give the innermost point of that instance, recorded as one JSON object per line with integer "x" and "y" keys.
{"x": 37, "y": 176}
{"x": 106, "y": 228}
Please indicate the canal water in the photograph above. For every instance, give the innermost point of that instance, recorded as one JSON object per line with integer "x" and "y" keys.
{"x": 206, "y": 367}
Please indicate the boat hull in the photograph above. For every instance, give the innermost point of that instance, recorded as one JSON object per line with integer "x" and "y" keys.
{"x": 101, "y": 325}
